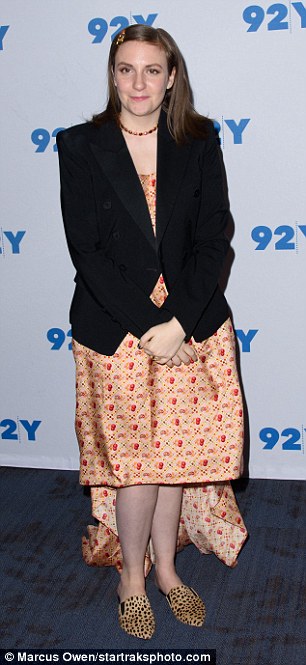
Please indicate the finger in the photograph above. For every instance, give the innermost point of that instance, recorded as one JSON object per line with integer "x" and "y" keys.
{"x": 194, "y": 356}
{"x": 184, "y": 357}
{"x": 147, "y": 351}
{"x": 176, "y": 360}
{"x": 145, "y": 338}
{"x": 189, "y": 350}
{"x": 160, "y": 360}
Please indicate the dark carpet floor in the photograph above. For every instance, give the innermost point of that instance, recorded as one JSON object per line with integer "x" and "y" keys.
{"x": 256, "y": 613}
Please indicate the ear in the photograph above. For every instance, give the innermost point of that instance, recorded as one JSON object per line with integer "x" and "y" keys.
{"x": 171, "y": 79}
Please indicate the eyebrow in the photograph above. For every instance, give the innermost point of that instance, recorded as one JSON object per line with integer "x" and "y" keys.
{"x": 153, "y": 64}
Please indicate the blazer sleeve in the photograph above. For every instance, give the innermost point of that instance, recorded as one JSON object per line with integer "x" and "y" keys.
{"x": 109, "y": 285}
{"x": 198, "y": 280}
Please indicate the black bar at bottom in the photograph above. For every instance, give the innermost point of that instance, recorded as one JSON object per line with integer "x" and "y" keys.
{"x": 72, "y": 656}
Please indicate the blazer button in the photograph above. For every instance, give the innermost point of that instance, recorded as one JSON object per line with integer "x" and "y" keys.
{"x": 107, "y": 205}
{"x": 196, "y": 193}
{"x": 116, "y": 235}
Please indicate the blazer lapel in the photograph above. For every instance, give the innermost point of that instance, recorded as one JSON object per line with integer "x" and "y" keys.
{"x": 115, "y": 161}
{"x": 172, "y": 162}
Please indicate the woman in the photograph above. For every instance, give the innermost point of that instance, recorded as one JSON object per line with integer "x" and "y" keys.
{"x": 159, "y": 414}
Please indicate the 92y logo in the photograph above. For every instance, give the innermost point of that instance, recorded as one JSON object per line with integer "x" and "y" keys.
{"x": 41, "y": 137}
{"x": 12, "y": 429}
{"x": 236, "y": 127}
{"x": 245, "y": 338}
{"x": 289, "y": 438}
{"x": 288, "y": 237}
{"x": 57, "y": 337}
{"x": 98, "y": 27}
{"x": 254, "y": 15}
{"x": 10, "y": 242}
{"x": 3, "y": 31}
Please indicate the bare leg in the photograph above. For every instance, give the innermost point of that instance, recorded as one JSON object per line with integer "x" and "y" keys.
{"x": 164, "y": 535}
{"x": 141, "y": 511}
{"x": 134, "y": 513}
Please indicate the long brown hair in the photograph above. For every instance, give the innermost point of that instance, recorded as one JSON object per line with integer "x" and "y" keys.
{"x": 182, "y": 119}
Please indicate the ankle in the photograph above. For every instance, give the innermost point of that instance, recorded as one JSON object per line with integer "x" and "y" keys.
{"x": 132, "y": 576}
{"x": 166, "y": 578}
{"x": 132, "y": 583}
{"x": 164, "y": 568}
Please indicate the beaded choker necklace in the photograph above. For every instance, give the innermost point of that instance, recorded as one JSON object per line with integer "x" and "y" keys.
{"x": 130, "y": 131}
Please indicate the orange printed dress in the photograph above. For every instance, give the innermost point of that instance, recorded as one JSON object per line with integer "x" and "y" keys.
{"x": 138, "y": 422}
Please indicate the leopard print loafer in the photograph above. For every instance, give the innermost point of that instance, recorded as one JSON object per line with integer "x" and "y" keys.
{"x": 186, "y": 605}
{"x": 136, "y": 617}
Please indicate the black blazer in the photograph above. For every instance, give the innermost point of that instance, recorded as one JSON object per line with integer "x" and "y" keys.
{"x": 110, "y": 238}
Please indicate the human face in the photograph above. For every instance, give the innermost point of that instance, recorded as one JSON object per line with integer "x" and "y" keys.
{"x": 141, "y": 77}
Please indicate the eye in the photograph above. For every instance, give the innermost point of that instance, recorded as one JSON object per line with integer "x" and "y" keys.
{"x": 124, "y": 69}
{"x": 153, "y": 71}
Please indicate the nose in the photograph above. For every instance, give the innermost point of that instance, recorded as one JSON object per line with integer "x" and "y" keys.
{"x": 139, "y": 82}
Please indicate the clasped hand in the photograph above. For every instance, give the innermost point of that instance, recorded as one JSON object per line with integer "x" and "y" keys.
{"x": 165, "y": 344}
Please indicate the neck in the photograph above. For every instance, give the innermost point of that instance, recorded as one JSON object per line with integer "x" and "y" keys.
{"x": 138, "y": 123}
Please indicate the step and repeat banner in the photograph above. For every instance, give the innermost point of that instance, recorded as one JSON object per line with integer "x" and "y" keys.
{"x": 247, "y": 69}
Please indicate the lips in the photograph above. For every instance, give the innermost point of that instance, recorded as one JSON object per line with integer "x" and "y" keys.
{"x": 139, "y": 99}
